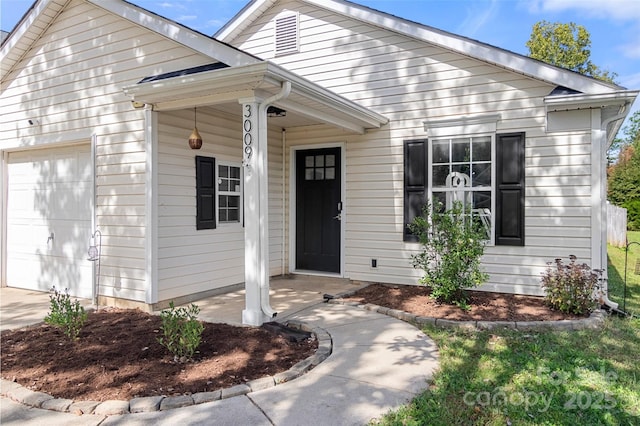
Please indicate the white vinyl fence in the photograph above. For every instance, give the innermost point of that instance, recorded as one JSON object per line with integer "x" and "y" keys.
{"x": 616, "y": 225}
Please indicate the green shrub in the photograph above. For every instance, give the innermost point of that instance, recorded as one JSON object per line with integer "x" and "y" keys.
{"x": 181, "y": 331}
{"x": 64, "y": 314}
{"x": 452, "y": 244}
{"x": 571, "y": 288}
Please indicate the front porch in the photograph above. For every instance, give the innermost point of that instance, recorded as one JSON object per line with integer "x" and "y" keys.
{"x": 241, "y": 188}
{"x": 289, "y": 295}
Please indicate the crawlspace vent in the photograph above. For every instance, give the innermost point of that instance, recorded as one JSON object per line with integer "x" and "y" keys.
{"x": 287, "y": 34}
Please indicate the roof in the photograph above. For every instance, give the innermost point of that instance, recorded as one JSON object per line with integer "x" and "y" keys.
{"x": 227, "y": 85}
{"x": 43, "y": 13}
{"x": 472, "y": 48}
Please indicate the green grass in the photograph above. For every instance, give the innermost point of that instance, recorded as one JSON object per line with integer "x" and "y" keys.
{"x": 588, "y": 377}
{"x": 616, "y": 274}
{"x": 506, "y": 377}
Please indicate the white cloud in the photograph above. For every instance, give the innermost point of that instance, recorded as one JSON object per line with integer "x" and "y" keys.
{"x": 630, "y": 50}
{"x": 184, "y": 18}
{"x": 631, "y": 81}
{"x": 478, "y": 15}
{"x": 621, "y": 10}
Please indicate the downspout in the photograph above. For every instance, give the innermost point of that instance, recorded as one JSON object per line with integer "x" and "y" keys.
{"x": 604, "y": 145}
{"x": 264, "y": 199}
{"x": 94, "y": 198}
{"x": 284, "y": 203}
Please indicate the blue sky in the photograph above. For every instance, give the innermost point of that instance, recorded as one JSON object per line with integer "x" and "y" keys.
{"x": 614, "y": 24}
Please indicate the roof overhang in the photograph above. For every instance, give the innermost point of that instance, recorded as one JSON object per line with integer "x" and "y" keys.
{"x": 466, "y": 46}
{"x": 260, "y": 80}
{"x": 614, "y": 107}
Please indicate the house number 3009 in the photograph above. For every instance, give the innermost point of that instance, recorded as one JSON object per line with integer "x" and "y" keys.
{"x": 247, "y": 127}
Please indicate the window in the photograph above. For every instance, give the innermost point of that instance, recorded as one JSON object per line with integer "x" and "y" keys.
{"x": 229, "y": 193}
{"x": 461, "y": 170}
{"x": 484, "y": 172}
{"x": 320, "y": 167}
{"x": 223, "y": 184}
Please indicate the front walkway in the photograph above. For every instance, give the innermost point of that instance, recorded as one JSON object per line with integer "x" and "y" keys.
{"x": 377, "y": 363}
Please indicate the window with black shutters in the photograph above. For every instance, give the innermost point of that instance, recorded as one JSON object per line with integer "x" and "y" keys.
{"x": 485, "y": 173}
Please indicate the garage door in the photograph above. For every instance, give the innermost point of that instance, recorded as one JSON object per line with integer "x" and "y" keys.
{"x": 49, "y": 219}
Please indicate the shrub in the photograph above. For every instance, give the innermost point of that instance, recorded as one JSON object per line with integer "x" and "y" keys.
{"x": 571, "y": 288}
{"x": 64, "y": 314}
{"x": 181, "y": 331}
{"x": 452, "y": 244}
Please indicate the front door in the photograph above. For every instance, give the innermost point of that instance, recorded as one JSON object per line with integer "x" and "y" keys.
{"x": 318, "y": 207}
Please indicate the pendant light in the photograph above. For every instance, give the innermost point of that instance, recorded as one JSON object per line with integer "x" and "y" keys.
{"x": 195, "y": 140}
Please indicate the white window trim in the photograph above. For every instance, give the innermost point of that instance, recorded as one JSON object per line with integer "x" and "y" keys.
{"x": 465, "y": 127}
{"x": 492, "y": 233}
{"x": 219, "y": 193}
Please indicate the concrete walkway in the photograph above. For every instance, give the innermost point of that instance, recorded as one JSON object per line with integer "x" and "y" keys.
{"x": 377, "y": 364}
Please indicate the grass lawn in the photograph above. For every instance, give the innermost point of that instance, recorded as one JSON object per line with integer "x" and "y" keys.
{"x": 588, "y": 377}
{"x": 616, "y": 274}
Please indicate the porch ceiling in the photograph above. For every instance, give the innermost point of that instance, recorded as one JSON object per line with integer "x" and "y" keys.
{"x": 308, "y": 103}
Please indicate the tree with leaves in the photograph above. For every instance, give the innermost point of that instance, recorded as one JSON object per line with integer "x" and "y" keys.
{"x": 566, "y": 46}
{"x": 624, "y": 175}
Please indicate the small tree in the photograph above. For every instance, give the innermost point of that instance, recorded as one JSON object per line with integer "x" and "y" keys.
{"x": 452, "y": 244}
{"x": 567, "y": 46}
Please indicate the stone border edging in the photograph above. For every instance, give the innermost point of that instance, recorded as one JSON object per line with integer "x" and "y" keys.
{"x": 595, "y": 320}
{"x": 45, "y": 401}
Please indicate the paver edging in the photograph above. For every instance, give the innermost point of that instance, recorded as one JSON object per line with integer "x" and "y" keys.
{"x": 22, "y": 395}
{"x": 595, "y": 320}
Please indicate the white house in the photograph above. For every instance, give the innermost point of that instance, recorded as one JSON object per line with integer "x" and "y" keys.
{"x": 325, "y": 125}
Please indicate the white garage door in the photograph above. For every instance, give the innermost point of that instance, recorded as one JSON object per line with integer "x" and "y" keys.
{"x": 49, "y": 219}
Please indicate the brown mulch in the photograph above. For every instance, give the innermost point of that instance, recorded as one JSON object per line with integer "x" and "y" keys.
{"x": 485, "y": 306}
{"x": 118, "y": 357}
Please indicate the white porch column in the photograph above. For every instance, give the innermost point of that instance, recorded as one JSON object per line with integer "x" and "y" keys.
{"x": 255, "y": 213}
{"x": 256, "y": 207}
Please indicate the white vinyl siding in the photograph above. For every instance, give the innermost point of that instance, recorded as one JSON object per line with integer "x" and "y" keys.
{"x": 71, "y": 81}
{"x": 410, "y": 81}
{"x": 192, "y": 261}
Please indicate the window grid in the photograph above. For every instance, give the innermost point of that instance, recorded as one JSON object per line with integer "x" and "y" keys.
{"x": 229, "y": 193}
{"x": 463, "y": 172}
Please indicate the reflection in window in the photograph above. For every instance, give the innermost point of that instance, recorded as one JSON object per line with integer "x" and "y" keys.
{"x": 461, "y": 170}
{"x": 229, "y": 193}
{"x": 320, "y": 167}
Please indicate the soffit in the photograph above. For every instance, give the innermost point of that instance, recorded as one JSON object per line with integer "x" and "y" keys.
{"x": 307, "y": 103}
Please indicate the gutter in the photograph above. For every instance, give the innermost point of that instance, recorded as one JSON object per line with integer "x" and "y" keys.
{"x": 264, "y": 236}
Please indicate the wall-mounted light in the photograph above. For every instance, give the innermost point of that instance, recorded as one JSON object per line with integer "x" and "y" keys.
{"x": 195, "y": 140}
{"x": 273, "y": 111}
{"x": 33, "y": 122}
{"x": 137, "y": 104}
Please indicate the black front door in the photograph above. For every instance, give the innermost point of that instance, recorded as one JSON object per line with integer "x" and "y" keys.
{"x": 318, "y": 207}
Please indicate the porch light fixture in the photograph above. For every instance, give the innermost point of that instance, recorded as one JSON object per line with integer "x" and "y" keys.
{"x": 195, "y": 140}
{"x": 273, "y": 111}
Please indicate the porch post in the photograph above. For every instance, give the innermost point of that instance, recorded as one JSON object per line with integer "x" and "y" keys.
{"x": 256, "y": 210}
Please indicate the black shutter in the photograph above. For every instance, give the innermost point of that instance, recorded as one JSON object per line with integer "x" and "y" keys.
{"x": 415, "y": 182}
{"x": 205, "y": 192}
{"x": 510, "y": 189}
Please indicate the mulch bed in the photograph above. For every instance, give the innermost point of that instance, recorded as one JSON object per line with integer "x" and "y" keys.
{"x": 484, "y": 305}
{"x": 118, "y": 357}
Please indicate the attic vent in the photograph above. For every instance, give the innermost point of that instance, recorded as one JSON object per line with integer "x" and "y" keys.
{"x": 287, "y": 34}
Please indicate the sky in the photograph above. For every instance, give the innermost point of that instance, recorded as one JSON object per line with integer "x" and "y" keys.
{"x": 614, "y": 25}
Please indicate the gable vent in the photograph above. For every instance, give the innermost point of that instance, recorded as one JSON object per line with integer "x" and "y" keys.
{"x": 287, "y": 35}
